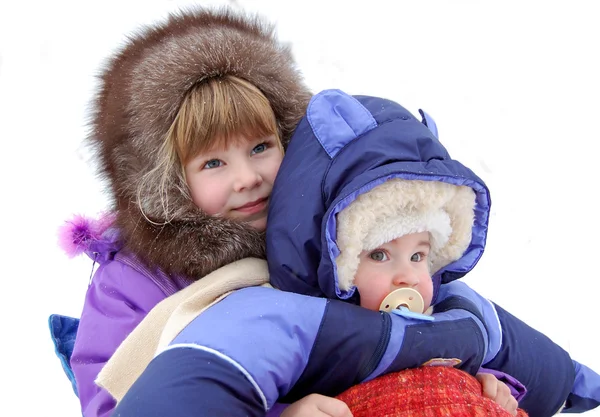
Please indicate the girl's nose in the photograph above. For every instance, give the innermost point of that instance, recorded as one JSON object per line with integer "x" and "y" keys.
{"x": 247, "y": 177}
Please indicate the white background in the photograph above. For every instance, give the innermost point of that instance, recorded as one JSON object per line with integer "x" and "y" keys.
{"x": 511, "y": 86}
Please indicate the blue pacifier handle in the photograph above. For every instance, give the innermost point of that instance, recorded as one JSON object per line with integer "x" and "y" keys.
{"x": 405, "y": 312}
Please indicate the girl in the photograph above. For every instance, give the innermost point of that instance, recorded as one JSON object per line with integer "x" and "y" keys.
{"x": 189, "y": 128}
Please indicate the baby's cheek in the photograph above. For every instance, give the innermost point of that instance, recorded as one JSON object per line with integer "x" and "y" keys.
{"x": 371, "y": 299}
{"x": 427, "y": 294}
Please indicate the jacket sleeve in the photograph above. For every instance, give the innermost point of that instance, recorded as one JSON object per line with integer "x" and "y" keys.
{"x": 116, "y": 301}
{"x": 550, "y": 377}
{"x": 261, "y": 345}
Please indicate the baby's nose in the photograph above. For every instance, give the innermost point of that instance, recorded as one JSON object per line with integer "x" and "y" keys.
{"x": 405, "y": 279}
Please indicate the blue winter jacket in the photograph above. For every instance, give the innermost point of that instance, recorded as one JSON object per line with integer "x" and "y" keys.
{"x": 345, "y": 147}
{"x": 262, "y": 345}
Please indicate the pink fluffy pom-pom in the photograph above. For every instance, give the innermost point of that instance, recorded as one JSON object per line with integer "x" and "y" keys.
{"x": 76, "y": 235}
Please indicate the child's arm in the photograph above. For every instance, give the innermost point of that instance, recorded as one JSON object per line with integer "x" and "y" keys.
{"x": 546, "y": 370}
{"x": 116, "y": 301}
{"x": 259, "y": 345}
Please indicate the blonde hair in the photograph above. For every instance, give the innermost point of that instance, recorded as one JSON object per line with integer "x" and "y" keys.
{"x": 214, "y": 114}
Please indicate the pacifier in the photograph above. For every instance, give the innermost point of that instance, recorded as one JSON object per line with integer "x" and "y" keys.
{"x": 405, "y": 302}
{"x": 403, "y": 297}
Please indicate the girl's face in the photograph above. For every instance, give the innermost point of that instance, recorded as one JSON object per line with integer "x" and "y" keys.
{"x": 401, "y": 263}
{"x": 236, "y": 183}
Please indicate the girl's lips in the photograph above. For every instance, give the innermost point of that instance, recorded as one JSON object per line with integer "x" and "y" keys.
{"x": 253, "y": 207}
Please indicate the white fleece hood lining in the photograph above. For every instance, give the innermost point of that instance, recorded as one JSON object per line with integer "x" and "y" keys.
{"x": 399, "y": 207}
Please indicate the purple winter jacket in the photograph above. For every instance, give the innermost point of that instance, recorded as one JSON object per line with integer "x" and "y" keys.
{"x": 122, "y": 292}
{"x": 120, "y": 295}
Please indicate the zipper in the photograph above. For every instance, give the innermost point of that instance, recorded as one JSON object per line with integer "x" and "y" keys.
{"x": 162, "y": 281}
{"x": 368, "y": 368}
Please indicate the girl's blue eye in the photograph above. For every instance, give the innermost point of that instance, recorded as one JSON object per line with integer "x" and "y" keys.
{"x": 417, "y": 257}
{"x": 259, "y": 148}
{"x": 213, "y": 163}
{"x": 378, "y": 255}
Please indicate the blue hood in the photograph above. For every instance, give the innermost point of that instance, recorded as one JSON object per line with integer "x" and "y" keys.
{"x": 343, "y": 147}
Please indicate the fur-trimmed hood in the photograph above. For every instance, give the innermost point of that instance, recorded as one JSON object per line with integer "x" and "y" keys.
{"x": 140, "y": 92}
{"x": 347, "y": 147}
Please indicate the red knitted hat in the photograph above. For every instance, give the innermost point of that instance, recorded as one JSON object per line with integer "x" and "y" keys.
{"x": 430, "y": 391}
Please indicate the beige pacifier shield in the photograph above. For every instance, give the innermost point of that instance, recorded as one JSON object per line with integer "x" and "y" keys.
{"x": 406, "y": 297}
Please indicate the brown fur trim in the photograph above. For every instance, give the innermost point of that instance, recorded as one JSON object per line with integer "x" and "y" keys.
{"x": 141, "y": 90}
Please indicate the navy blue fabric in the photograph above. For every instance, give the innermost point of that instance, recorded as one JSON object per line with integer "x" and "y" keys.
{"x": 576, "y": 404}
{"x": 186, "y": 382}
{"x": 542, "y": 366}
{"x": 446, "y": 339}
{"x": 63, "y": 330}
{"x": 348, "y": 347}
{"x": 314, "y": 183}
{"x": 458, "y": 296}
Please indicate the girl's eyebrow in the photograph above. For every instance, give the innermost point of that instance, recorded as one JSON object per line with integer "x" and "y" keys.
{"x": 424, "y": 243}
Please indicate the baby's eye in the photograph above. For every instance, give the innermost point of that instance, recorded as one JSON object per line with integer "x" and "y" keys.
{"x": 259, "y": 148}
{"x": 417, "y": 257}
{"x": 213, "y": 163}
{"x": 378, "y": 255}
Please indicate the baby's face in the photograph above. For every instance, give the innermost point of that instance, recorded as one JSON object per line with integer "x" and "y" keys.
{"x": 401, "y": 263}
